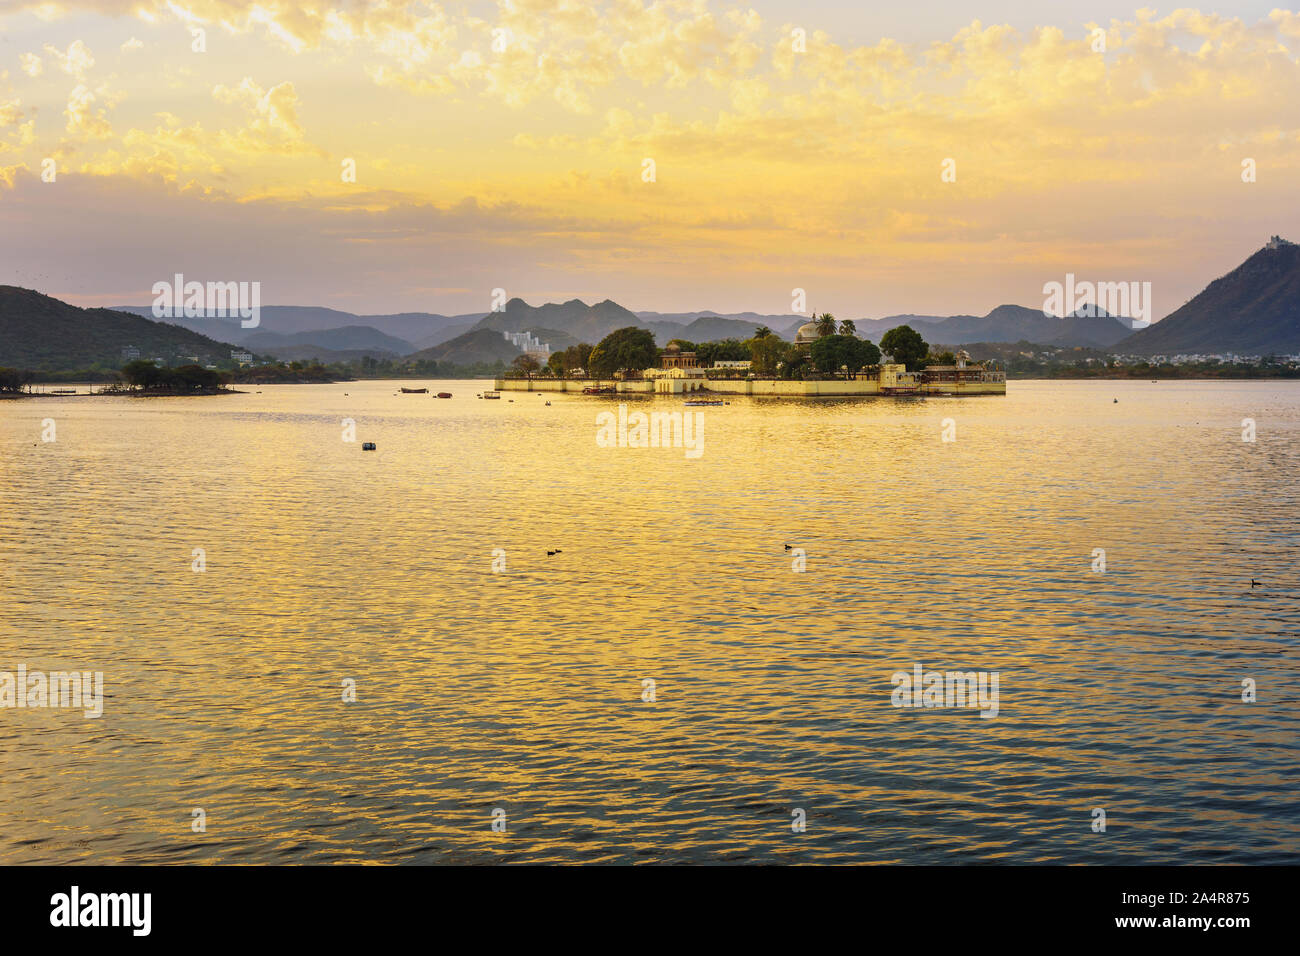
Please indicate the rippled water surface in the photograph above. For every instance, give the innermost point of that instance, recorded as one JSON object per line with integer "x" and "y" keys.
{"x": 522, "y": 690}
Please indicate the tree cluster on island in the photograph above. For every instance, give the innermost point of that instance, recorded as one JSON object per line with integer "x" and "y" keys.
{"x": 837, "y": 351}
{"x": 146, "y": 376}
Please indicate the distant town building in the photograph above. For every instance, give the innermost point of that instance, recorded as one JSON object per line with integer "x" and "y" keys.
{"x": 1277, "y": 242}
{"x": 243, "y": 358}
{"x": 732, "y": 363}
{"x": 961, "y": 373}
{"x": 130, "y": 353}
{"x": 529, "y": 344}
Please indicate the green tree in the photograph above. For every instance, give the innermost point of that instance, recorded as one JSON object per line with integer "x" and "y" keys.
{"x": 762, "y": 332}
{"x": 525, "y": 365}
{"x": 832, "y": 353}
{"x": 630, "y": 349}
{"x": 581, "y": 354}
{"x": 766, "y": 352}
{"x": 848, "y": 328}
{"x": 864, "y": 355}
{"x": 142, "y": 374}
{"x": 13, "y": 380}
{"x": 906, "y": 346}
{"x": 825, "y": 324}
{"x": 728, "y": 350}
{"x": 941, "y": 358}
{"x": 794, "y": 364}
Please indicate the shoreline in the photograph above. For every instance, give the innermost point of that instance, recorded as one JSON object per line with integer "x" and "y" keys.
{"x": 134, "y": 393}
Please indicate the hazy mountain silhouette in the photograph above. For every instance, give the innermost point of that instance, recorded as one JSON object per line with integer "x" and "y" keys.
{"x": 1006, "y": 323}
{"x": 476, "y": 345}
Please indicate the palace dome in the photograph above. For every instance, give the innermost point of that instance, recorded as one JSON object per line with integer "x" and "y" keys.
{"x": 807, "y": 334}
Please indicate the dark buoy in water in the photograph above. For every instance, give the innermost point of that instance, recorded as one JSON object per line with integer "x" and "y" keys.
{"x": 368, "y": 446}
{"x": 1116, "y": 401}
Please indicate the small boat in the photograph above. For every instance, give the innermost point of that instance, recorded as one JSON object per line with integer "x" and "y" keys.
{"x": 62, "y": 391}
{"x": 414, "y": 391}
{"x": 368, "y": 446}
{"x": 444, "y": 394}
{"x": 491, "y": 394}
{"x": 702, "y": 402}
{"x": 597, "y": 389}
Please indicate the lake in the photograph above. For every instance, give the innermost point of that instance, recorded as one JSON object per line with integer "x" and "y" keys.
{"x": 497, "y": 684}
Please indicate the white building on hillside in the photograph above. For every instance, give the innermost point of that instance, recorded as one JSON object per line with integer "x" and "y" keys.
{"x": 530, "y": 344}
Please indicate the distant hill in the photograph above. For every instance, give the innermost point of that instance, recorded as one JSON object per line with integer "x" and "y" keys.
{"x": 586, "y": 323}
{"x": 706, "y": 329}
{"x": 700, "y": 327}
{"x": 444, "y": 334}
{"x": 305, "y": 353}
{"x": 410, "y": 327}
{"x": 1253, "y": 310}
{"x": 557, "y": 340}
{"x": 591, "y": 323}
{"x": 349, "y": 337}
{"x": 477, "y": 345}
{"x": 1006, "y": 323}
{"x": 39, "y": 332}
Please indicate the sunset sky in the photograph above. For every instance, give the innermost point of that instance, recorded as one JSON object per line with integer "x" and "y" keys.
{"x": 522, "y": 168}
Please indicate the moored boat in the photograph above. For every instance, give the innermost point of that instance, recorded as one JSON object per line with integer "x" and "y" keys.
{"x": 414, "y": 391}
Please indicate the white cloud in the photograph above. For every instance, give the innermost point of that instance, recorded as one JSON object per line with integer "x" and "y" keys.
{"x": 76, "y": 61}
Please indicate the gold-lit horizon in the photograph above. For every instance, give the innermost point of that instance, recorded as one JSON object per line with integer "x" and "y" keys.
{"x": 672, "y": 156}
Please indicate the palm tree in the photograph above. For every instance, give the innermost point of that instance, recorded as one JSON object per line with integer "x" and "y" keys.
{"x": 825, "y": 324}
{"x": 762, "y": 332}
{"x": 848, "y": 328}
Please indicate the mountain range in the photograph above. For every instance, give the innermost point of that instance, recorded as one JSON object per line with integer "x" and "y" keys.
{"x": 1254, "y": 309}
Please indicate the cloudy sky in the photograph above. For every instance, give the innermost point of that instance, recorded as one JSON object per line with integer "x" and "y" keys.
{"x": 505, "y": 145}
